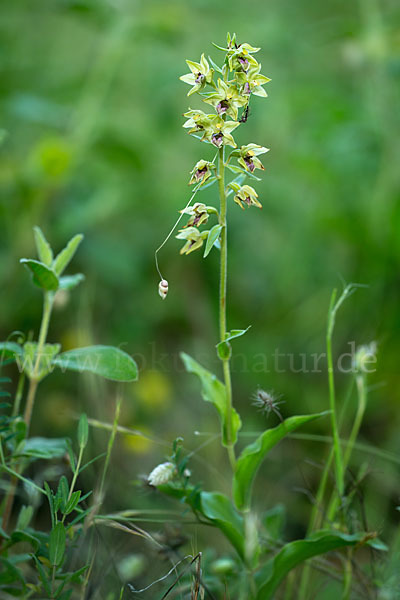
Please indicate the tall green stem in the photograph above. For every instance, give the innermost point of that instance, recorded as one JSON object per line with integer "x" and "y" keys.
{"x": 222, "y": 300}
{"x": 33, "y": 383}
{"x": 44, "y": 328}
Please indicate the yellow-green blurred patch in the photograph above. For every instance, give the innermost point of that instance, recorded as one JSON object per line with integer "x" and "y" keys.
{"x": 153, "y": 390}
{"x": 138, "y": 443}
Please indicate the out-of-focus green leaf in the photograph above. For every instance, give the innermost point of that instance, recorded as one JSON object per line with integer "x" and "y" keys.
{"x": 28, "y": 361}
{"x": 68, "y": 282}
{"x": 253, "y": 455}
{"x": 46, "y": 448}
{"x": 106, "y": 361}
{"x": 43, "y": 247}
{"x": 214, "y": 391}
{"x": 275, "y": 570}
{"x": 220, "y": 510}
{"x": 213, "y": 235}
{"x": 63, "y": 259}
{"x": 10, "y": 349}
{"x": 42, "y": 275}
{"x": 57, "y": 544}
{"x": 83, "y": 431}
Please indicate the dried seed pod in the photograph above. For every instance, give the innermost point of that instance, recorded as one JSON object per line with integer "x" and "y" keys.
{"x": 163, "y": 288}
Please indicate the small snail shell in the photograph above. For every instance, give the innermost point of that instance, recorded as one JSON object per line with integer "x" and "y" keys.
{"x": 163, "y": 288}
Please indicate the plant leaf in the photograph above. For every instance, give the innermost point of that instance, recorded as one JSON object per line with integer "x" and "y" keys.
{"x": 224, "y": 348}
{"x": 83, "y": 431}
{"x": 213, "y": 235}
{"x": 106, "y": 361}
{"x": 214, "y": 391}
{"x": 63, "y": 259}
{"x": 10, "y": 350}
{"x": 220, "y": 510}
{"x": 57, "y": 544}
{"x": 42, "y": 275}
{"x": 46, "y": 448}
{"x": 68, "y": 282}
{"x": 272, "y": 573}
{"x": 43, "y": 247}
{"x": 252, "y": 456}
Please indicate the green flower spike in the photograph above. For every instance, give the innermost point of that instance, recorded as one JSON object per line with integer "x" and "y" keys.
{"x": 252, "y": 81}
{"x": 245, "y": 195}
{"x": 248, "y": 158}
{"x": 194, "y": 239}
{"x": 201, "y": 171}
{"x": 200, "y": 75}
{"x": 226, "y": 100}
{"x": 198, "y": 214}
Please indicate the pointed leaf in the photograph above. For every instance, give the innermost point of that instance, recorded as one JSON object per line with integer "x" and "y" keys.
{"x": 65, "y": 256}
{"x": 42, "y": 276}
{"x": 106, "y": 361}
{"x": 57, "y": 544}
{"x": 45, "y": 448}
{"x": 214, "y": 391}
{"x": 253, "y": 455}
{"x": 224, "y": 348}
{"x": 220, "y": 510}
{"x": 275, "y": 570}
{"x": 68, "y": 282}
{"x": 43, "y": 248}
{"x": 213, "y": 235}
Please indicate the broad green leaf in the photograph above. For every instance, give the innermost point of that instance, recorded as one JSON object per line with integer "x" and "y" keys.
{"x": 214, "y": 391}
{"x": 63, "y": 259}
{"x": 68, "y": 282}
{"x": 83, "y": 431}
{"x": 220, "y": 510}
{"x": 213, "y": 235}
{"x": 46, "y": 448}
{"x": 43, "y": 248}
{"x": 42, "y": 275}
{"x": 275, "y": 570}
{"x": 253, "y": 455}
{"x": 27, "y": 362}
{"x": 106, "y": 361}
{"x": 57, "y": 544}
{"x": 10, "y": 350}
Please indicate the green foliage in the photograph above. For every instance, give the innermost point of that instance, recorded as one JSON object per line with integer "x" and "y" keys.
{"x": 292, "y": 554}
{"x": 213, "y": 391}
{"x": 106, "y": 361}
{"x": 42, "y": 275}
{"x": 254, "y": 454}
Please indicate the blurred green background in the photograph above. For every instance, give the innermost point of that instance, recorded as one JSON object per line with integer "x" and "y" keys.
{"x": 92, "y": 109}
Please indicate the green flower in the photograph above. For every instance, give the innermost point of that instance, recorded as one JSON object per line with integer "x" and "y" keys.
{"x": 240, "y": 57}
{"x": 220, "y": 134}
{"x": 245, "y": 195}
{"x": 194, "y": 239}
{"x": 198, "y": 122}
{"x": 199, "y": 76}
{"x": 198, "y": 214}
{"x": 226, "y": 100}
{"x": 252, "y": 81}
{"x": 248, "y": 157}
{"x": 201, "y": 171}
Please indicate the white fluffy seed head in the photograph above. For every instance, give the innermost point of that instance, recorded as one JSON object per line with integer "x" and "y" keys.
{"x": 163, "y": 288}
{"x": 161, "y": 474}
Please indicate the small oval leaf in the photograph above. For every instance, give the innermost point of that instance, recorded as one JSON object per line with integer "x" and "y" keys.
{"x": 43, "y": 248}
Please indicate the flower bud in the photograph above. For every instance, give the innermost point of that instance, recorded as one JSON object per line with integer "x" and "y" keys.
{"x": 162, "y": 474}
{"x": 163, "y": 288}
